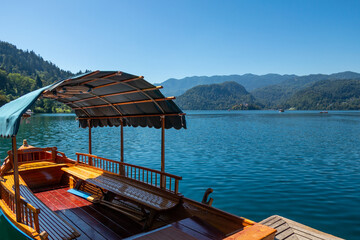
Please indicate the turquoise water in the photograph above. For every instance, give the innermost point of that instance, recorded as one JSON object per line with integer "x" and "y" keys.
{"x": 301, "y": 165}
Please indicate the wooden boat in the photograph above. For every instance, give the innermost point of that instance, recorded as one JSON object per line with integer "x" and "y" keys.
{"x": 47, "y": 195}
{"x": 27, "y": 114}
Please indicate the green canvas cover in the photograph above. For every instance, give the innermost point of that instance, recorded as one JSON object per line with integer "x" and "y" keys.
{"x": 11, "y": 113}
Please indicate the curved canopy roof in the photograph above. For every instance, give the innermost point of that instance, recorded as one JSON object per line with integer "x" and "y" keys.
{"x": 101, "y": 98}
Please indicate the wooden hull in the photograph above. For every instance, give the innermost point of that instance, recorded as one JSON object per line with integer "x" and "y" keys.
{"x": 12, "y": 221}
{"x": 125, "y": 201}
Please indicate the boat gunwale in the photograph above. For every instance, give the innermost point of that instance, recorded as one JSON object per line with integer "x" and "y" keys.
{"x": 10, "y": 215}
{"x": 14, "y": 224}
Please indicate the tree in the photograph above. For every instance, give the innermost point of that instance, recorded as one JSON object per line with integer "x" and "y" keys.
{"x": 3, "y": 80}
{"x": 3, "y": 99}
{"x": 38, "y": 82}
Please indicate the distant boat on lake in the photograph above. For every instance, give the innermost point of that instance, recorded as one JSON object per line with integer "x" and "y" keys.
{"x": 28, "y": 113}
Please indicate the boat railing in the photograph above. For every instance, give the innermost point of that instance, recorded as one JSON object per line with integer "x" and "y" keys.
{"x": 35, "y": 154}
{"x": 29, "y": 214}
{"x": 149, "y": 176}
{"x": 5, "y": 166}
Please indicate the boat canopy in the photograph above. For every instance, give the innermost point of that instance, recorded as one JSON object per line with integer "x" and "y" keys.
{"x": 99, "y": 99}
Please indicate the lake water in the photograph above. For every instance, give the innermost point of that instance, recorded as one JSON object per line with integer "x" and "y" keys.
{"x": 302, "y": 165}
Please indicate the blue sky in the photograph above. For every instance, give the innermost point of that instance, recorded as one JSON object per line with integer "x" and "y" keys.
{"x": 164, "y": 39}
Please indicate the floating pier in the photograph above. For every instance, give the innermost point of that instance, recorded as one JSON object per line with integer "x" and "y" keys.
{"x": 290, "y": 230}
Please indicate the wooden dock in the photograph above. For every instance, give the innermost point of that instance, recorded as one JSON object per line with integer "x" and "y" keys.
{"x": 291, "y": 230}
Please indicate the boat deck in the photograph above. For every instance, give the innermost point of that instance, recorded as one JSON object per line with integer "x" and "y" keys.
{"x": 192, "y": 228}
{"x": 93, "y": 221}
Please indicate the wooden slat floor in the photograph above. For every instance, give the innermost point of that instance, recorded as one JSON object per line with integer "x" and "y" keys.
{"x": 291, "y": 230}
{"x": 192, "y": 228}
{"x": 48, "y": 220}
{"x": 93, "y": 221}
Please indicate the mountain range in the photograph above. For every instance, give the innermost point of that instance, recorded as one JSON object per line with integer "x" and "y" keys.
{"x": 176, "y": 87}
{"x": 330, "y": 94}
{"x": 274, "y": 96}
{"x": 23, "y": 71}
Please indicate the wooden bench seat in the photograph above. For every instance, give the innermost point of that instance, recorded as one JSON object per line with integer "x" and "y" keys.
{"x": 143, "y": 194}
{"x": 49, "y": 221}
{"x": 148, "y": 197}
{"x": 28, "y": 166}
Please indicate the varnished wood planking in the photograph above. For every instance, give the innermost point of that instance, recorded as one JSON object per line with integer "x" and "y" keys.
{"x": 90, "y": 188}
{"x": 77, "y": 221}
{"x": 38, "y": 165}
{"x": 82, "y": 231}
{"x": 225, "y": 222}
{"x": 50, "y": 221}
{"x": 194, "y": 226}
{"x": 127, "y": 226}
{"x": 70, "y": 208}
{"x": 257, "y": 231}
{"x": 166, "y": 233}
{"x": 96, "y": 222}
{"x": 101, "y": 214}
{"x": 41, "y": 177}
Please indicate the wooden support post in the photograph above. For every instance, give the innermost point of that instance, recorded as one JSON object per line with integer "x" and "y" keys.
{"x": 16, "y": 180}
{"x": 162, "y": 179}
{"x": 71, "y": 182}
{"x": 121, "y": 166}
{"x": 89, "y": 126}
{"x": 90, "y": 151}
{"x": 53, "y": 154}
{"x": 36, "y": 220}
{"x": 122, "y": 141}
{"x": 176, "y": 186}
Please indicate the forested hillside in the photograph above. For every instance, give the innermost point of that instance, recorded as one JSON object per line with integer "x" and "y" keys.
{"x": 24, "y": 71}
{"x": 227, "y": 95}
{"x": 176, "y": 87}
{"x": 275, "y": 96}
{"x": 339, "y": 94}
{"x": 327, "y": 95}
